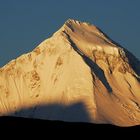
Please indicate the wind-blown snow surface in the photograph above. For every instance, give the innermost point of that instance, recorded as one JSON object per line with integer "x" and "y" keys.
{"x": 78, "y": 74}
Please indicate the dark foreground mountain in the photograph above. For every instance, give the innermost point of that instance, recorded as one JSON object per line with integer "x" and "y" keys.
{"x": 28, "y": 123}
{"x": 17, "y": 127}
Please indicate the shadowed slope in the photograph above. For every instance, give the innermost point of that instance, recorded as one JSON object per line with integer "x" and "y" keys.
{"x": 73, "y": 113}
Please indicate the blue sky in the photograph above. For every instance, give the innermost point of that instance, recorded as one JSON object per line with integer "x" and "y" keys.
{"x": 26, "y": 23}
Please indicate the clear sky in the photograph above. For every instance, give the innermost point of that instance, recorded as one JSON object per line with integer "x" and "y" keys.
{"x": 26, "y": 23}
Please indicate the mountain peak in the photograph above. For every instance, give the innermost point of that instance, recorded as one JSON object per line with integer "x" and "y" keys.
{"x": 87, "y": 36}
{"x": 73, "y": 21}
{"x": 69, "y": 24}
{"x": 70, "y": 20}
{"x": 78, "y": 74}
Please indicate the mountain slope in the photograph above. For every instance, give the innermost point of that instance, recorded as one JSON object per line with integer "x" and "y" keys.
{"x": 77, "y": 71}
